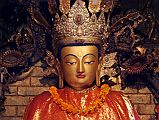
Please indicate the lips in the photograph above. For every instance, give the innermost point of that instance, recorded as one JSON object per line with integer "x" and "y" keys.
{"x": 81, "y": 76}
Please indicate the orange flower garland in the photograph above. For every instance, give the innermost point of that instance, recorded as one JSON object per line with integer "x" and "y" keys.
{"x": 69, "y": 108}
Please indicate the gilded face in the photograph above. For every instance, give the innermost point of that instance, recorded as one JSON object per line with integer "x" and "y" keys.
{"x": 79, "y": 65}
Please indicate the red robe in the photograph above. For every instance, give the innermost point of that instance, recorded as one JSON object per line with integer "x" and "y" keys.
{"x": 116, "y": 106}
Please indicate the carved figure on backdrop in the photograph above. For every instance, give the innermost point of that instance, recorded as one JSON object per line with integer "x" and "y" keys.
{"x": 80, "y": 41}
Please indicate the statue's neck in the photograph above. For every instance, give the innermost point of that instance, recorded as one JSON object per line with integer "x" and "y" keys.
{"x": 83, "y": 90}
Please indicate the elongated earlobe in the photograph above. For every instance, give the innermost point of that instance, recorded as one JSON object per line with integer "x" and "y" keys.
{"x": 97, "y": 79}
{"x": 98, "y": 83}
{"x": 60, "y": 74}
{"x": 61, "y": 83}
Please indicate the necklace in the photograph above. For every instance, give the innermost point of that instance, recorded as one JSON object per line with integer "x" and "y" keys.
{"x": 70, "y": 109}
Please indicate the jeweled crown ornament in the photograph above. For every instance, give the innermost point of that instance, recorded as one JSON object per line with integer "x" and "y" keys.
{"x": 76, "y": 25}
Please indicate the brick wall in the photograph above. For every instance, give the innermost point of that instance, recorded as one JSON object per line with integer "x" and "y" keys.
{"x": 23, "y": 91}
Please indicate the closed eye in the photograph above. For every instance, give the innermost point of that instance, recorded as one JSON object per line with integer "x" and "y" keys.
{"x": 90, "y": 62}
{"x": 70, "y": 63}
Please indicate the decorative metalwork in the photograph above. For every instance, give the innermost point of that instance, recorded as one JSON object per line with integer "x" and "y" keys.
{"x": 110, "y": 71}
{"x": 65, "y": 6}
{"x": 94, "y": 6}
{"x": 108, "y": 5}
{"x": 79, "y": 26}
{"x": 11, "y": 58}
{"x": 124, "y": 33}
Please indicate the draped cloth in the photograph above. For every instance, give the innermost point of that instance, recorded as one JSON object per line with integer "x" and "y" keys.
{"x": 116, "y": 106}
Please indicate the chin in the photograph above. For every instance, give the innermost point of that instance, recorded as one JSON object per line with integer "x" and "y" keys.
{"x": 81, "y": 86}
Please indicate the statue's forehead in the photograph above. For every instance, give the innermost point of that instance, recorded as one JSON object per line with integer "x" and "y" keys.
{"x": 79, "y": 51}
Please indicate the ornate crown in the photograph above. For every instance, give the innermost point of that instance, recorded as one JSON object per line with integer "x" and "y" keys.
{"x": 76, "y": 25}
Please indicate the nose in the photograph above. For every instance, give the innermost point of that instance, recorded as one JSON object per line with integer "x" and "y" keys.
{"x": 80, "y": 67}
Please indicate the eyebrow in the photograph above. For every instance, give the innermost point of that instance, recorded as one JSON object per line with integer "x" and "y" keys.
{"x": 89, "y": 54}
{"x": 70, "y": 55}
{"x": 83, "y": 56}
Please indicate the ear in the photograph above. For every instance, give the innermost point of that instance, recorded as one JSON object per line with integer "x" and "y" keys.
{"x": 57, "y": 62}
{"x": 60, "y": 73}
{"x": 100, "y": 60}
{"x": 100, "y": 63}
{"x": 57, "y": 66}
{"x": 98, "y": 83}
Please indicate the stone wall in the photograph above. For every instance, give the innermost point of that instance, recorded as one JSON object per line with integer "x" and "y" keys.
{"x": 23, "y": 91}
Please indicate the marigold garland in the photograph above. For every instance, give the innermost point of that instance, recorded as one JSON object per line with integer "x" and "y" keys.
{"x": 69, "y": 108}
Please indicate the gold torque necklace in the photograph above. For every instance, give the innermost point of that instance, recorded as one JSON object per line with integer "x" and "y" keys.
{"x": 71, "y": 109}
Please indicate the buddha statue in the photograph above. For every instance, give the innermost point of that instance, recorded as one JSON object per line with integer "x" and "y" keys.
{"x": 79, "y": 42}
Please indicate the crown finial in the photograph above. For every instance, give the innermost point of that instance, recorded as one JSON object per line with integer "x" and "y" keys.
{"x": 80, "y": 26}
